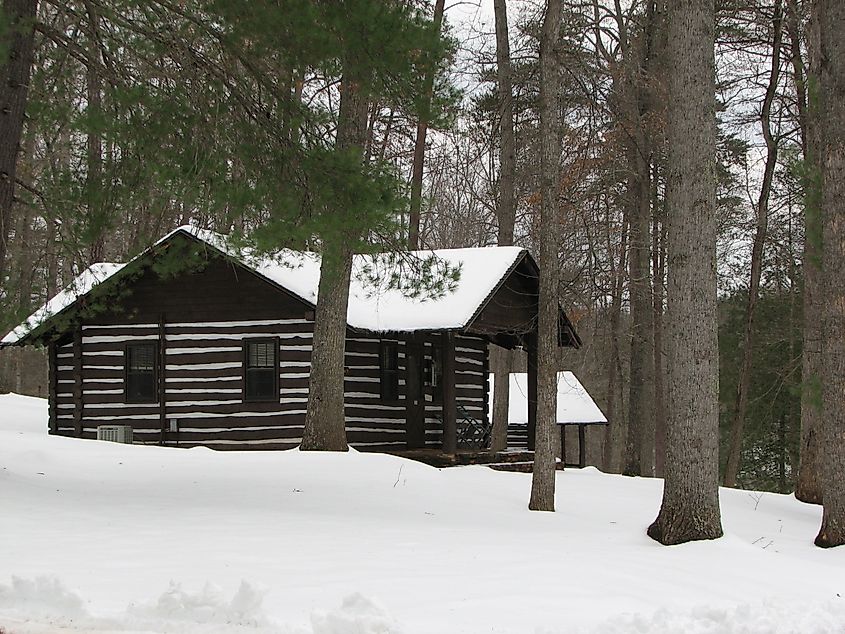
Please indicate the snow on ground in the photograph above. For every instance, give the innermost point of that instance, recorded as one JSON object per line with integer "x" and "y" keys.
{"x": 101, "y": 537}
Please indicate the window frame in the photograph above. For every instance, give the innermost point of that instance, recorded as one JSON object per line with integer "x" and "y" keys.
{"x": 127, "y": 372}
{"x": 274, "y": 344}
{"x": 434, "y": 372}
{"x": 388, "y": 374}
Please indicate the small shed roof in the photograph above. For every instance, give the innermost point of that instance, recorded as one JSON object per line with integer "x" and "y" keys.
{"x": 376, "y": 308}
{"x": 574, "y": 404}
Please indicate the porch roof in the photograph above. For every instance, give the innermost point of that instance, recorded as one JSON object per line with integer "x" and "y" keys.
{"x": 575, "y": 406}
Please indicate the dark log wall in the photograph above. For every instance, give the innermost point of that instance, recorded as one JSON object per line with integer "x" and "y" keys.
{"x": 471, "y": 369}
{"x": 203, "y": 383}
{"x": 204, "y": 378}
{"x": 371, "y": 423}
{"x": 517, "y": 435}
{"x": 374, "y": 425}
{"x": 206, "y": 316}
{"x": 65, "y": 381}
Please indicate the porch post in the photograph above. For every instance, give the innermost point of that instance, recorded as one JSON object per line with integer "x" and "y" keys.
{"x": 162, "y": 380}
{"x": 77, "y": 381}
{"x": 52, "y": 371}
{"x": 582, "y": 458}
{"x": 531, "y": 341}
{"x": 562, "y": 429}
{"x": 450, "y": 423}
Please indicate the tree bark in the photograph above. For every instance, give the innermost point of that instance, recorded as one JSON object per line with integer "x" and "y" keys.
{"x": 419, "y": 147}
{"x": 639, "y": 454}
{"x": 14, "y": 74}
{"x": 543, "y": 479}
{"x": 658, "y": 263}
{"x": 506, "y": 209}
{"x": 690, "y": 507}
{"x": 612, "y": 457}
{"x": 808, "y": 487}
{"x": 762, "y": 209}
{"x": 52, "y": 257}
{"x": 831, "y": 21}
{"x": 325, "y": 428}
{"x": 500, "y": 362}
{"x": 507, "y": 146}
{"x": 96, "y": 218}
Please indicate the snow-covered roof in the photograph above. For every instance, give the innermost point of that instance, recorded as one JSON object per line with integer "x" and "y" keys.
{"x": 373, "y": 308}
{"x": 574, "y": 403}
{"x": 80, "y": 286}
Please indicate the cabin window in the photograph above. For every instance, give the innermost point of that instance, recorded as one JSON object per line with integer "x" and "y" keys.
{"x": 434, "y": 372}
{"x": 389, "y": 370}
{"x": 141, "y": 363}
{"x": 434, "y": 367}
{"x": 261, "y": 370}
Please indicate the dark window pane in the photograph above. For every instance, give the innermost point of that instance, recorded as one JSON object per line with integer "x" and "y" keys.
{"x": 389, "y": 356}
{"x": 260, "y": 383}
{"x": 260, "y": 374}
{"x": 140, "y": 386}
{"x": 433, "y": 369}
{"x": 389, "y": 371}
{"x": 260, "y": 355}
{"x": 141, "y": 366}
{"x": 142, "y": 357}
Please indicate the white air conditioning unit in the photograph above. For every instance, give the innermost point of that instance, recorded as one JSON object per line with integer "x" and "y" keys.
{"x": 115, "y": 433}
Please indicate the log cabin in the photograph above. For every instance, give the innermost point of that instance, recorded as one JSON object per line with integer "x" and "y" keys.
{"x": 196, "y": 342}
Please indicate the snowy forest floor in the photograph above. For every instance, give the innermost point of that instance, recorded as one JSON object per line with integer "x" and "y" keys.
{"x": 101, "y": 537}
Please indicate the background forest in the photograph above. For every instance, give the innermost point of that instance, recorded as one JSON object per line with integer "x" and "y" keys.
{"x": 145, "y": 115}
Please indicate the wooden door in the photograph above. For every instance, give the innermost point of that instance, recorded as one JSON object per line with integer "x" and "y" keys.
{"x": 414, "y": 392}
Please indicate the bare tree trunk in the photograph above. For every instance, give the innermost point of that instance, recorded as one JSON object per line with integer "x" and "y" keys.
{"x": 23, "y": 263}
{"x": 831, "y": 21}
{"x": 808, "y": 487}
{"x": 507, "y": 145}
{"x": 500, "y": 362}
{"x": 506, "y": 209}
{"x": 14, "y": 75}
{"x": 638, "y": 460}
{"x": 543, "y": 479}
{"x": 658, "y": 263}
{"x": 388, "y": 128}
{"x": 325, "y": 427}
{"x": 614, "y": 431}
{"x": 25, "y": 250}
{"x": 419, "y": 147}
{"x": 52, "y": 258}
{"x": 96, "y": 220}
{"x": 744, "y": 382}
{"x": 690, "y": 508}
{"x": 636, "y": 62}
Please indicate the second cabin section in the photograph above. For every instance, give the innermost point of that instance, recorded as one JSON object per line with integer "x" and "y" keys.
{"x": 194, "y": 344}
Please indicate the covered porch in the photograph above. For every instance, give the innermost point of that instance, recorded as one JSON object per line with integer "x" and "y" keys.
{"x": 506, "y": 318}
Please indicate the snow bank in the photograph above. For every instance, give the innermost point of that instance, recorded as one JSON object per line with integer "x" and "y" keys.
{"x": 357, "y": 615}
{"x": 42, "y": 597}
{"x": 767, "y": 617}
{"x": 101, "y": 537}
{"x": 209, "y": 605}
